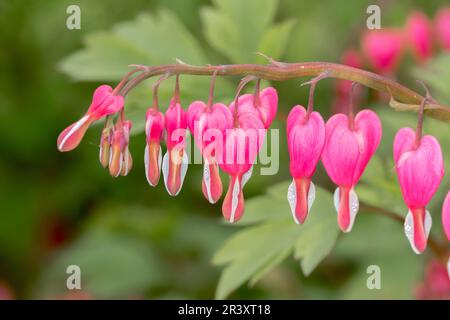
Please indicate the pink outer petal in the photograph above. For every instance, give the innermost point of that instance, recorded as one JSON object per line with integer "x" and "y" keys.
{"x": 154, "y": 125}
{"x": 383, "y": 49}
{"x": 267, "y": 109}
{"x": 208, "y": 125}
{"x": 341, "y": 151}
{"x": 305, "y": 141}
{"x": 419, "y": 33}
{"x": 233, "y": 203}
{"x": 442, "y": 27}
{"x": 71, "y": 137}
{"x": 446, "y": 216}
{"x": 241, "y": 145}
{"x": 176, "y": 124}
{"x": 104, "y": 102}
{"x": 420, "y": 170}
{"x": 368, "y": 128}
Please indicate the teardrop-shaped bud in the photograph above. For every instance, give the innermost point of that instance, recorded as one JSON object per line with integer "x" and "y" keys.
{"x": 71, "y": 137}
{"x": 154, "y": 128}
{"x": 120, "y": 161}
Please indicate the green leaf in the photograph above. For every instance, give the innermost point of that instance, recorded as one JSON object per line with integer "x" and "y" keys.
{"x": 238, "y": 29}
{"x": 112, "y": 266}
{"x": 143, "y": 40}
{"x": 272, "y": 235}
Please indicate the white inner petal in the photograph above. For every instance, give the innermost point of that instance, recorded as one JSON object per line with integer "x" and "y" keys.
{"x": 292, "y": 199}
{"x": 311, "y": 195}
{"x": 234, "y": 199}
{"x": 409, "y": 228}
{"x": 246, "y": 176}
{"x": 165, "y": 169}
{"x": 207, "y": 181}
{"x": 336, "y": 199}
{"x": 353, "y": 208}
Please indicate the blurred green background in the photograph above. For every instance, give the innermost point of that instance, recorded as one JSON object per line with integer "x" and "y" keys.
{"x": 136, "y": 242}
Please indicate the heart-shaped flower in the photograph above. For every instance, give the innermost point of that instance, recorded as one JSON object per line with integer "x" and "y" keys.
{"x": 349, "y": 145}
{"x": 154, "y": 129}
{"x": 306, "y": 139}
{"x": 208, "y": 126}
{"x": 420, "y": 168}
{"x": 120, "y": 160}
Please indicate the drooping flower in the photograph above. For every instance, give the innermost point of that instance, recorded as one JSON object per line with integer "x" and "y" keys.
{"x": 383, "y": 49}
{"x": 208, "y": 125}
{"x": 442, "y": 27}
{"x": 306, "y": 138}
{"x": 175, "y": 161}
{"x": 104, "y": 102}
{"x": 419, "y": 36}
{"x": 349, "y": 145}
{"x": 446, "y": 216}
{"x": 263, "y": 104}
{"x": 154, "y": 129}
{"x": 420, "y": 168}
{"x": 241, "y": 146}
{"x": 120, "y": 160}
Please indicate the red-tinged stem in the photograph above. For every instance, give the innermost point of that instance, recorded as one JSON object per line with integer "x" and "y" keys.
{"x": 256, "y": 102}
{"x": 211, "y": 90}
{"x": 156, "y": 85}
{"x": 287, "y": 71}
{"x": 312, "y": 89}
{"x": 420, "y": 116}
{"x": 351, "y": 107}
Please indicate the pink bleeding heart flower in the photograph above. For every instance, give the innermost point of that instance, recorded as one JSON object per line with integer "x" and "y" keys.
{"x": 306, "y": 139}
{"x": 436, "y": 283}
{"x": 349, "y": 145}
{"x": 420, "y": 168}
{"x": 208, "y": 125}
{"x": 154, "y": 129}
{"x": 120, "y": 160}
{"x": 241, "y": 146}
{"x": 446, "y": 216}
{"x": 104, "y": 102}
{"x": 264, "y": 105}
{"x": 383, "y": 49}
{"x": 175, "y": 161}
{"x": 442, "y": 27}
{"x": 420, "y": 36}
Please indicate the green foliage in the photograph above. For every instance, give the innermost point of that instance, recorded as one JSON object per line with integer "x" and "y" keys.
{"x": 238, "y": 29}
{"x": 272, "y": 236}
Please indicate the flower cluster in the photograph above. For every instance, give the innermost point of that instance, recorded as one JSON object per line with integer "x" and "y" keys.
{"x": 230, "y": 138}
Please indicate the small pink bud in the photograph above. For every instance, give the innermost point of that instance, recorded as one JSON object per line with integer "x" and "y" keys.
{"x": 419, "y": 35}
{"x": 120, "y": 161}
{"x": 442, "y": 27}
{"x": 154, "y": 129}
{"x": 265, "y": 106}
{"x": 349, "y": 145}
{"x": 104, "y": 102}
{"x": 241, "y": 146}
{"x": 383, "y": 49}
{"x": 306, "y": 138}
{"x": 175, "y": 161}
{"x": 208, "y": 127}
{"x": 446, "y": 216}
{"x": 420, "y": 168}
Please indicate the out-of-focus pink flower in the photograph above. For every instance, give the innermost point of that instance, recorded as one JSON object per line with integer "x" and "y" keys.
{"x": 154, "y": 129}
{"x": 419, "y": 35}
{"x": 420, "y": 168}
{"x": 104, "y": 102}
{"x": 436, "y": 284}
{"x": 306, "y": 138}
{"x": 264, "y": 105}
{"x": 446, "y": 216}
{"x": 442, "y": 27}
{"x": 383, "y": 49}
{"x": 6, "y": 292}
{"x": 120, "y": 160}
{"x": 241, "y": 147}
{"x": 105, "y": 143}
{"x": 208, "y": 125}
{"x": 349, "y": 145}
{"x": 175, "y": 161}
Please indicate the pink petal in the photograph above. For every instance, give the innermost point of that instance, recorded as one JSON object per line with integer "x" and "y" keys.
{"x": 71, "y": 137}
{"x": 446, "y": 215}
{"x": 305, "y": 141}
{"x": 442, "y": 27}
{"x": 419, "y": 33}
{"x": 233, "y": 204}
